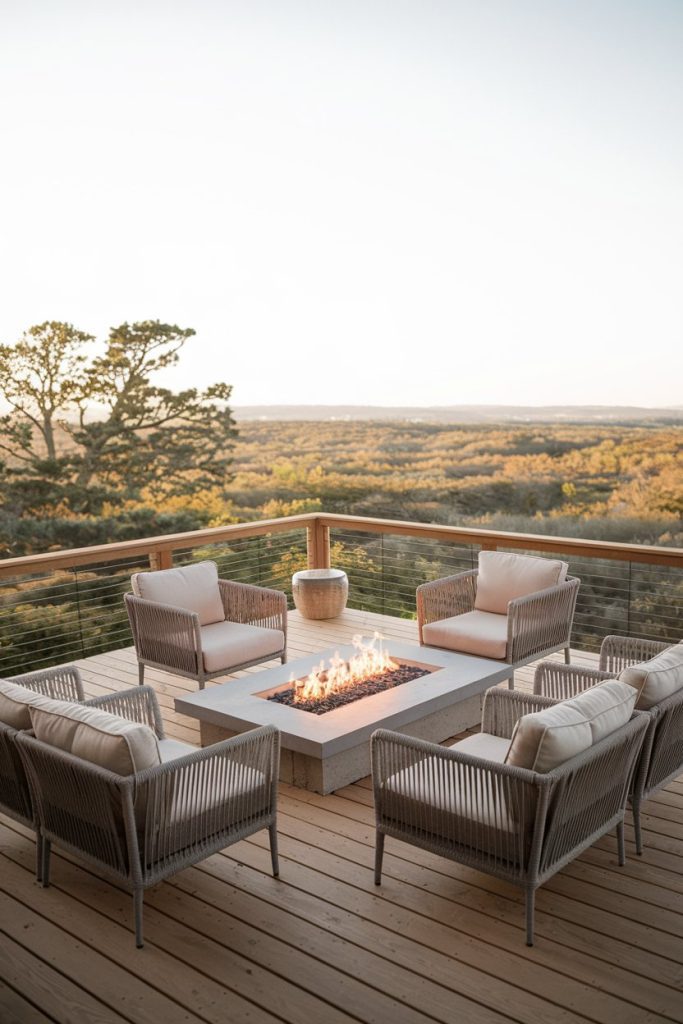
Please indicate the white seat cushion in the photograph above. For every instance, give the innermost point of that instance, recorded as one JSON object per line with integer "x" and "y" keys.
{"x": 605, "y": 707}
{"x": 15, "y": 701}
{"x": 192, "y": 587}
{"x": 475, "y": 632}
{"x": 225, "y": 644}
{"x": 484, "y": 745}
{"x": 545, "y": 739}
{"x": 97, "y": 736}
{"x": 503, "y": 576}
{"x": 656, "y": 679}
{"x": 170, "y": 750}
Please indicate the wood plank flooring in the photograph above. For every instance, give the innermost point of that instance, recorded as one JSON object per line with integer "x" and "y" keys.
{"x": 225, "y": 942}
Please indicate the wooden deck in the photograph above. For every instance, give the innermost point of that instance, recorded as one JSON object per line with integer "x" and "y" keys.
{"x": 225, "y": 942}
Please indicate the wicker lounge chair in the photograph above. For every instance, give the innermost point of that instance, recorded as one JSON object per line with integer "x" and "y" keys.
{"x": 191, "y": 623}
{"x": 513, "y": 608}
{"x": 661, "y": 757}
{"x": 139, "y": 829}
{"x": 15, "y": 798}
{"x": 514, "y": 823}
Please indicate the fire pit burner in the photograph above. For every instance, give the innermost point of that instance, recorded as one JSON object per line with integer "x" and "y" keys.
{"x": 385, "y": 680}
{"x": 340, "y": 681}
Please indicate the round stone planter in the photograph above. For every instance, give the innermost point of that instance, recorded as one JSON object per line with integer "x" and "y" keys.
{"x": 320, "y": 593}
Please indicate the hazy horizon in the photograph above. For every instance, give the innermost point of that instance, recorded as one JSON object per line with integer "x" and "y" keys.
{"x": 398, "y": 204}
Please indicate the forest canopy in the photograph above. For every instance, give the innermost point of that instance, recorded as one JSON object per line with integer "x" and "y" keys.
{"x": 91, "y": 447}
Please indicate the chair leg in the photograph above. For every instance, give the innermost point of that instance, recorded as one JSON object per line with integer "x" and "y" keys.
{"x": 272, "y": 832}
{"x": 45, "y": 863}
{"x": 379, "y": 855}
{"x": 138, "y": 897}
{"x": 283, "y": 659}
{"x": 621, "y": 845}
{"x": 530, "y": 904}
{"x": 141, "y": 673}
{"x": 637, "y": 828}
{"x": 567, "y": 656}
{"x": 511, "y": 682}
{"x": 39, "y": 856}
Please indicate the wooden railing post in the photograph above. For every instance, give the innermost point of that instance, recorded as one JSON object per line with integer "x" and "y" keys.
{"x": 318, "y": 545}
{"x": 162, "y": 559}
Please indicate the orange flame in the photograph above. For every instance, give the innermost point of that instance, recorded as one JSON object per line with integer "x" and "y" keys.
{"x": 369, "y": 660}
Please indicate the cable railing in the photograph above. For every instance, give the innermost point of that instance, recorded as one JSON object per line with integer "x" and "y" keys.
{"x": 65, "y": 605}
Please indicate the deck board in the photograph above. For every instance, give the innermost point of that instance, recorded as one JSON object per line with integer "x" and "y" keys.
{"x": 436, "y": 942}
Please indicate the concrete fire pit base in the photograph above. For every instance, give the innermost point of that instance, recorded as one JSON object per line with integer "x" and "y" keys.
{"x": 325, "y": 752}
{"x": 323, "y": 775}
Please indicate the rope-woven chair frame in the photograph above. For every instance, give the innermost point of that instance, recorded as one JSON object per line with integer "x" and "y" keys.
{"x": 661, "y": 755}
{"x": 170, "y": 638}
{"x": 138, "y": 704}
{"x": 517, "y": 825}
{"x": 62, "y": 683}
{"x": 537, "y": 624}
{"x": 141, "y": 829}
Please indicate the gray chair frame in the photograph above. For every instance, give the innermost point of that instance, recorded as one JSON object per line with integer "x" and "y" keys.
{"x": 128, "y": 827}
{"x": 538, "y": 623}
{"x": 170, "y": 638}
{"x": 556, "y": 815}
{"x": 661, "y": 757}
{"x": 15, "y": 798}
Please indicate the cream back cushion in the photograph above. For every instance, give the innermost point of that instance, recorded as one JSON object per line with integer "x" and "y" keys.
{"x": 15, "y": 701}
{"x": 192, "y": 587}
{"x": 605, "y": 707}
{"x": 103, "y": 739}
{"x": 504, "y": 576}
{"x": 656, "y": 679}
{"x": 545, "y": 739}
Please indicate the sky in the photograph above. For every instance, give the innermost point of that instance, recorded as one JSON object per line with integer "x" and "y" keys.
{"x": 395, "y": 202}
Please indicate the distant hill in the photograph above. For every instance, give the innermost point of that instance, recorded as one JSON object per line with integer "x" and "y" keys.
{"x": 464, "y": 413}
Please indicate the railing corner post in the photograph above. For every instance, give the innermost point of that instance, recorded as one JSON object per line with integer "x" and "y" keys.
{"x": 318, "y": 545}
{"x": 161, "y": 559}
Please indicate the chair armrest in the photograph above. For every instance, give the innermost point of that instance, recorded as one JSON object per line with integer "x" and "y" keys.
{"x": 443, "y": 798}
{"x": 503, "y": 709}
{"x": 408, "y": 751}
{"x": 228, "y": 789}
{"x": 541, "y": 621}
{"x": 617, "y": 652}
{"x": 256, "y": 606}
{"x": 62, "y": 683}
{"x": 138, "y": 704}
{"x": 552, "y": 679}
{"x": 165, "y": 635}
{"x": 440, "y": 599}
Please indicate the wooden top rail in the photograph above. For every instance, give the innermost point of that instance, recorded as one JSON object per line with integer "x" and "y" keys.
{"x": 170, "y": 542}
{"x": 318, "y": 524}
{"x": 491, "y": 539}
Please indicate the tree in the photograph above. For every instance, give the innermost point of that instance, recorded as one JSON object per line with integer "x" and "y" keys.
{"x": 85, "y": 428}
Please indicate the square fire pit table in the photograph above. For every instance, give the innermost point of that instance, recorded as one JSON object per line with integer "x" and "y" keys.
{"x": 325, "y": 752}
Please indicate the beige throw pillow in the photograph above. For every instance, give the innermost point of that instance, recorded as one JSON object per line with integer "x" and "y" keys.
{"x": 106, "y": 740}
{"x": 545, "y": 739}
{"x": 656, "y": 679}
{"x": 192, "y": 587}
{"x": 15, "y": 701}
{"x": 605, "y": 707}
{"x": 503, "y": 576}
